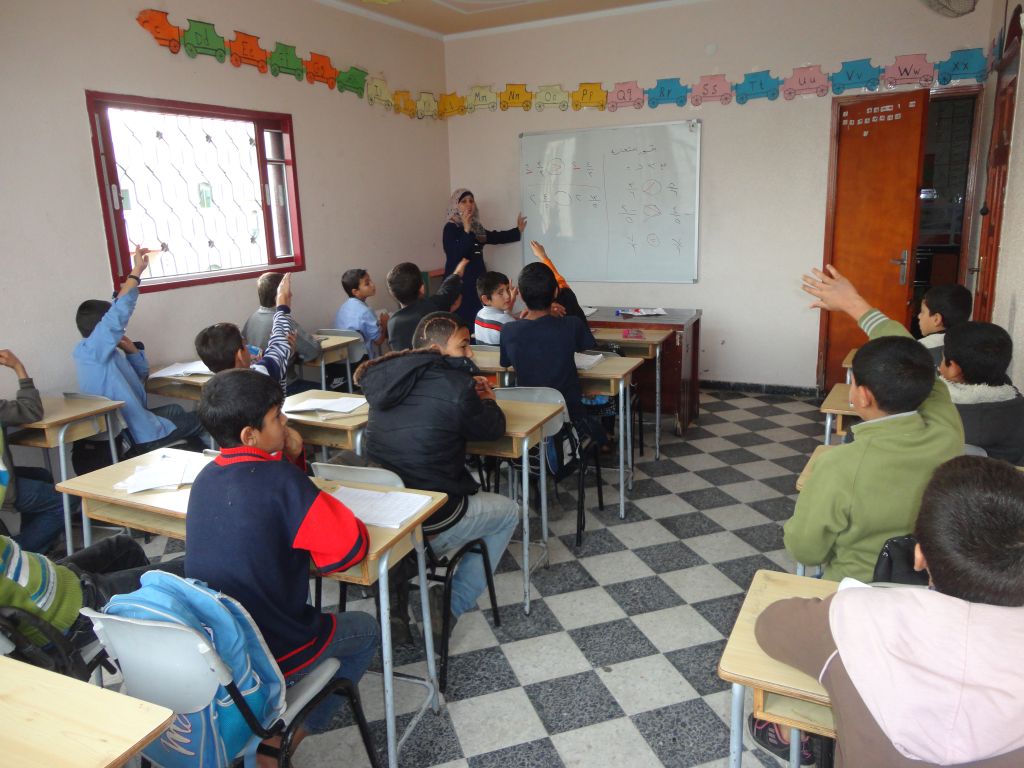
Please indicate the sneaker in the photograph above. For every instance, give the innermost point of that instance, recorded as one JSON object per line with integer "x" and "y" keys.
{"x": 769, "y": 736}
{"x": 436, "y": 599}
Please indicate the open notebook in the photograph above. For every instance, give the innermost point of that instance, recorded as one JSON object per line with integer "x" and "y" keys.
{"x": 387, "y": 509}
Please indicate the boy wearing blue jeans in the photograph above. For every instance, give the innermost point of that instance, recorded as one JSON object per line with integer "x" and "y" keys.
{"x": 113, "y": 366}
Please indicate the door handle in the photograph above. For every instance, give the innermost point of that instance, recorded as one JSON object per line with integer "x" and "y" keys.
{"x": 902, "y": 261}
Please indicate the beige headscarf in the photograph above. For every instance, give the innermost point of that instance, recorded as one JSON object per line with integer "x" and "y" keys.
{"x": 455, "y": 217}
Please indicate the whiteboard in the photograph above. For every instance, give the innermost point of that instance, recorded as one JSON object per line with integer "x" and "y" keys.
{"x": 614, "y": 204}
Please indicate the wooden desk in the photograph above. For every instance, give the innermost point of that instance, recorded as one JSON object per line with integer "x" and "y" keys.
{"x": 329, "y": 430}
{"x": 836, "y": 407}
{"x": 65, "y": 420}
{"x": 611, "y": 377}
{"x": 182, "y": 387}
{"x": 809, "y": 466}
{"x": 48, "y": 719}
{"x": 680, "y": 359}
{"x": 782, "y": 694}
{"x": 333, "y": 349}
{"x": 648, "y": 347}
{"x": 488, "y": 362}
{"x": 524, "y": 427}
{"x": 848, "y": 364}
{"x": 163, "y": 512}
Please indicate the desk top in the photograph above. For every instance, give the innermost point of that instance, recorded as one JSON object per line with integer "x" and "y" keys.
{"x": 744, "y": 662}
{"x": 328, "y": 343}
{"x": 651, "y": 336}
{"x": 61, "y": 410}
{"x": 355, "y": 420}
{"x": 805, "y": 473}
{"x": 612, "y": 368}
{"x": 193, "y": 380}
{"x": 523, "y": 418}
{"x": 838, "y": 401}
{"x": 848, "y": 360}
{"x": 51, "y": 719}
{"x": 487, "y": 360}
{"x": 672, "y": 316}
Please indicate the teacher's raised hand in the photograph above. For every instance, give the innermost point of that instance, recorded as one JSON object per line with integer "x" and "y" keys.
{"x": 521, "y": 222}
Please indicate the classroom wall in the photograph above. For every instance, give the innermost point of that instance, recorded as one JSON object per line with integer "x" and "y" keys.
{"x": 764, "y": 164}
{"x": 370, "y": 182}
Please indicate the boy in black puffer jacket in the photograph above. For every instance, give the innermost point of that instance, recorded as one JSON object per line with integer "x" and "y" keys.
{"x": 425, "y": 405}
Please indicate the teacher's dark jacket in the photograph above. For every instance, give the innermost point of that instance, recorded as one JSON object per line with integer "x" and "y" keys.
{"x": 423, "y": 409}
{"x": 459, "y": 245}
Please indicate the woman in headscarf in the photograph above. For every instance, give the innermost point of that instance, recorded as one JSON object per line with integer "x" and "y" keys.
{"x": 464, "y": 238}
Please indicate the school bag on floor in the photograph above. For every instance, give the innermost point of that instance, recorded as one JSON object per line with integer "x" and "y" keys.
{"x": 211, "y": 737}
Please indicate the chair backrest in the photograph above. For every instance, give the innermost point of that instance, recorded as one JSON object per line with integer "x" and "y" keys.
{"x": 210, "y": 453}
{"x": 537, "y": 395}
{"x": 372, "y": 475}
{"x": 163, "y": 663}
{"x": 974, "y": 450}
{"x": 356, "y": 350}
{"x": 484, "y": 347}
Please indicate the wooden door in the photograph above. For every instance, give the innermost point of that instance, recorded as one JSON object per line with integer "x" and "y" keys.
{"x": 995, "y": 187}
{"x": 879, "y": 152}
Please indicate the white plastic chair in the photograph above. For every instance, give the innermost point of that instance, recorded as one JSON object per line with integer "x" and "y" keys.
{"x": 356, "y": 351}
{"x": 974, "y": 450}
{"x": 175, "y": 666}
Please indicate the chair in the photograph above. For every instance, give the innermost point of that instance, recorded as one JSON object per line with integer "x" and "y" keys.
{"x": 59, "y": 655}
{"x": 974, "y": 450}
{"x": 175, "y": 666}
{"x": 551, "y": 431}
{"x": 356, "y": 350}
{"x": 379, "y": 476}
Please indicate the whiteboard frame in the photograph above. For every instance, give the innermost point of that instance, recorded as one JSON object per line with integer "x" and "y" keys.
{"x": 527, "y": 251}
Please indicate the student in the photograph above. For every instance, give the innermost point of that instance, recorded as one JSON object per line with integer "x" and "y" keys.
{"x": 497, "y": 300}
{"x": 974, "y": 363}
{"x": 223, "y": 347}
{"x": 254, "y": 523}
{"x": 942, "y": 308}
{"x": 541, "y": 347}
{"x": 926, "y": 677}
{"x": 29, "y": 488}
{"x": 56, "y": 591}
{"x": 865, "y": 492}
{"x": 425, "y": 404}
{"x": 405, "y": 282}
{"x": 354, "y": 315}
{"x": 112, "y": 365}
{"x": 258, "y": 328}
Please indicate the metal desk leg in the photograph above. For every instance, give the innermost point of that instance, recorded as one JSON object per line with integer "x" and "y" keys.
{"x": 388, "y": 659}
{"x": 794, "y": 748}
{"x": 622, "y": 451}
{"x": 629, "y": 435}
{"x": 849, "y": 375}
{"x": 525, "y": 503}
{"x": 542, "y": 447}
{"x": 657, "y": 403}
{"x": 111, "y": 437}
{"x": 348, "y": 373}
{"x": 62, "y": 456}
{"x": 323, "y": 373}
{"x": 829, "y": 419}
{"x": 736, "y": 727}
{"x": 428, "y": 634}
{"x": 357, "y": 440}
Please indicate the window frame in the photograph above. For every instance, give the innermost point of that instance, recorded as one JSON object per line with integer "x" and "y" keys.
{"x": 118, "y": 252}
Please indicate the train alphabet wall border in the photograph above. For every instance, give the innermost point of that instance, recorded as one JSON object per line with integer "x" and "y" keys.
{"x": 200, "y": 38}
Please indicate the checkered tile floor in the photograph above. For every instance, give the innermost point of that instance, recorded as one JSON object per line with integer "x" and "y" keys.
{"x": 615, "y": 665}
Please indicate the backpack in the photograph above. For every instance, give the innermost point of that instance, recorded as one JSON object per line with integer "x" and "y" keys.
{"x": 211, "y": 737}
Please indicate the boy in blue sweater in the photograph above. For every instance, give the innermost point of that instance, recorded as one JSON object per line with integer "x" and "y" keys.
{"x": 113, "y": 366}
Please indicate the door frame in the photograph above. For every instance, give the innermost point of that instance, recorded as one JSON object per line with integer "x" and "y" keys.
{"x": 838, "y": 102}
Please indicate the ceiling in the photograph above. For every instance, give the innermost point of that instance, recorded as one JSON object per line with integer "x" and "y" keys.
{"x": 450, "y": 17}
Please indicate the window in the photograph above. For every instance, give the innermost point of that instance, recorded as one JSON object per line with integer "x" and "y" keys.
{"x": 212, "y": 187}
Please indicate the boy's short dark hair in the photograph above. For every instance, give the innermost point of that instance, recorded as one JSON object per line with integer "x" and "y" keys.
{"x": 971, "y": 530}
{"x": 982, "y": 350}
{"x": 489, "y": 282}
{"x": 351, "y": 279}
{"x": 898, "y": 370}
{"x": 235, "y": 399}
{"x": 953, "y": 302}
{"x": 436, "y": 328}
{"x": 266, "y": 288}
{"x": 537, "y": 286}
{"x": 217, "y": 346}
{"x": 404, "y": 282}
{"x": 89, "y": 314}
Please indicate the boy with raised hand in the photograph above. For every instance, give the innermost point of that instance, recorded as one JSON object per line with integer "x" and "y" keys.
{"x": 974, "y": 362}
{"x": 222, "y": 346}
{"x": 113, "y": 366}
{"x": 260, "y": 326}
{"x": 254, "y": 523}
{"x": 920, "y": 678}
{"x": 405, "y": 283}
{"x": 865, "y": 492}
{"x": 943, "y": 308}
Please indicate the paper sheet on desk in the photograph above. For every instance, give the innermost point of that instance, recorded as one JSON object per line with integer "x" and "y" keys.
{"x": 585, "y": 362}
{"x": 387, "y": 510}
{"x": 334, "y": 405}
{"x": 168, "y": 472}
{"x": 197, "y": 367}
{"x": 640, "y": 312}
{"x": 588, "y": 311}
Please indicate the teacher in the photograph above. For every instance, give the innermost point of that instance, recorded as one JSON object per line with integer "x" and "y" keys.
{"x": 464, "y": 238}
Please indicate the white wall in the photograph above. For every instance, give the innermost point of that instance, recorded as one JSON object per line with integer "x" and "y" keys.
{"x": 372, "y": 185}
{"x": 764, "y": 164}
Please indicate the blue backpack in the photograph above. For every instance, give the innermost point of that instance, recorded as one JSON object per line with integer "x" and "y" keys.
{"x": 211, "y": 737}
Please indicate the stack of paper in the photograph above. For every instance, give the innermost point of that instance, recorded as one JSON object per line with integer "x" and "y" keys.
{"x": 335, "y": 405}
{"x": 640, "y": 312}
{"x": 588, "y": 311}
{"x": 167, "y": 472}
{"x": 197, "y": 368}
{"x": 384, "y": 509}
{"x": 585, "y": 362}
